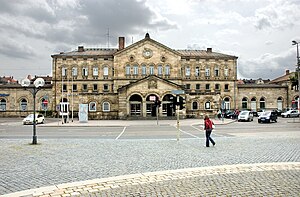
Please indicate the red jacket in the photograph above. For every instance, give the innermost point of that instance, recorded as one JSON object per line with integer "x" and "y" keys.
{"x": 208, "y": 124}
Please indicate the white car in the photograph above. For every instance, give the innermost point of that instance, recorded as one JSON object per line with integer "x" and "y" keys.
{"x": 290, "y": 113}
{"x": 245, "y": 116}
{"x": 39, "y": 119}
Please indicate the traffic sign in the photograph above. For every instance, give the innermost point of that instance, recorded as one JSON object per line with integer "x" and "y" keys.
{"x": 45, "y": 102}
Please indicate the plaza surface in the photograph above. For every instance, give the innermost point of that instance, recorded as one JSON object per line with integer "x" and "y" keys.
{"x": 260, "y": 165}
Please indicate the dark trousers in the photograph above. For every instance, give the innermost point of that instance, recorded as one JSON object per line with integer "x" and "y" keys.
{"x": 208, "y": 138}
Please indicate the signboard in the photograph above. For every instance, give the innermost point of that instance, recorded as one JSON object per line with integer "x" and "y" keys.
{"x": 152, "y": 98}
{"x": 83, "y": 112}
{"x": 177, "y": 92}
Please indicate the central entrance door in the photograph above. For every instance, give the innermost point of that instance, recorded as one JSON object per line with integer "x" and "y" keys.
{"x": 168, "y": 109}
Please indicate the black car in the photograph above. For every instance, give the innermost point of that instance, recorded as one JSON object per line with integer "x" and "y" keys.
{"x": 267, "y": 116}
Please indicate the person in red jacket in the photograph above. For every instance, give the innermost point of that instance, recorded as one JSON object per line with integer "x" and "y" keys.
{"x": 208, "y": 127}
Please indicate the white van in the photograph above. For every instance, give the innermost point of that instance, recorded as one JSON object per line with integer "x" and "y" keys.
{"x": 245, "y": 116}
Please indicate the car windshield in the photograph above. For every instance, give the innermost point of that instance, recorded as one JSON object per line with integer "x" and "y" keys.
{"x": 244, "y": 113}
{"x": 266, "y": 113}
{"x": 30, "y": 116}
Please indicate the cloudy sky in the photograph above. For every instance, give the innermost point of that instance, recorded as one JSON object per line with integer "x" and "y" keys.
{"x": 259, "y": 32}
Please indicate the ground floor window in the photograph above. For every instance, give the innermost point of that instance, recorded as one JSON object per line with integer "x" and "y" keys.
{"x": 2, "y": 105}
{"x": 135, "y": 109}
{"x": 244, "y": 103}
{"x": 262, "y": 103}
{"x": 106, "y": 107}
{"x": 23, "y": 105}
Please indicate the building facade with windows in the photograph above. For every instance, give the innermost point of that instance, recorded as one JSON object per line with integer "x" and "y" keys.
{"x": 124, "y": 82}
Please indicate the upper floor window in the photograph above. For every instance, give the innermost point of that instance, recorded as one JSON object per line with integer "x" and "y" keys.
{"x": 74, "y": 87}
{"x": 144, "y": 69}
{"x": 105, "y": 87}
{"x": 2, "y": 105}
{"x": 207, "y": 87}
{"x": 197, "y": 86}
{"x": 95, "y": 71}
{"x": 127, "y": 70}
{"x": 64, "y": 87}
{"x": 167, "y": 70}
{"x": 188, "y": 86}
{"x": 95, "y": 87}
{"x": 197, "y": 72}
{"x": 216, "y": 71}
{"x": 159, "y": 70}
{"x": 226, "y": 71}
{"x": 85, "y": 71}
{"x": 105, "y": 71}
{"x": 207, "y": 71}
{"x": 226, "y": 87}
{"x": 151, "y": 69}
{"x": 84, "y": 88}
{"x": 23, "y": 105}
{"x": 135, "y": 70}
{"x": 187, "y": 71}
{"x": 217, "y": 86}
{"x": 64, "y": 71}
{"x": 74, "y": 71}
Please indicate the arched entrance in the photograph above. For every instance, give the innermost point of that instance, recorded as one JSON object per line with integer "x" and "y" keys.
{"x": 168, "y": 109}
{"x": 253, "y": 104}
{"x": 135, "y": 102}
{"x": 227, "y": 103}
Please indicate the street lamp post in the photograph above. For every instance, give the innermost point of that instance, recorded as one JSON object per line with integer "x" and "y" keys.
{"x": 39, "y": 82}
{"x": 298, "y": 70}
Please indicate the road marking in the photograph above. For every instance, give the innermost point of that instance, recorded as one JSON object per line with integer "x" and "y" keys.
{"x": 121, "y": 133}
{"x": 189, "y": 134}
{"x": 220, "y": 135}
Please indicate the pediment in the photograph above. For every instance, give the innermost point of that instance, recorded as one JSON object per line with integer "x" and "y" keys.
{"x": 151, "y": 84}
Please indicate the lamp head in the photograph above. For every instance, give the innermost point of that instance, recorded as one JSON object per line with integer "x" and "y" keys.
{"x": 294, "y": 42}
{"x": 39, "y": 82}
{"x": 25, "y": 82}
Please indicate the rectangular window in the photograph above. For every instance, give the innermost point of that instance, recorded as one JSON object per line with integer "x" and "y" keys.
{"x": 187, "y": 71}
{"x": 74, "y": 71}
{"x": 188, "y": 86}
{"x": 207, "y": 72}
{"x": 127, "y": 70}
{"x": 197, "y": 86}
{"x": 217, "y": 86}
{"x": 95, "y": 87}
{"x": 226, "y": 72}
{"x": 64, "y": 87}
{"x": 74, "y": 87}
{"x": 85, "y": 72}
{"x": 197, "y": 72}
{"x": 226, "y": 87}
{"x": 105, "y": 71}
{"x": 64, "y": 72}
{"x": 207, "y": 87}
{"x": 216, "y": 72}
{"x": 84, "y": 88}
{"x": 95, "y": 71}
{"x": 105, "y": 87}
{"x": 159, "y": 70}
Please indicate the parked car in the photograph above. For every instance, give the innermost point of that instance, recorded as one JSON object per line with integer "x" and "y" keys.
{"x": 290, "y": 113}
{"x": 267, "y": 116}
{"x": 259, "y": 112}
{"x": 229, "y": 114}
{"x": 39, "y": 119}
{"x": 278, "y": 112}
{"x": 245, "y": 116}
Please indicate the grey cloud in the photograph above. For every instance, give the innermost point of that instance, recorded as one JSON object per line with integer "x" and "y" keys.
{"x": 268, "y": 65}
{"x": 11, "y": 48}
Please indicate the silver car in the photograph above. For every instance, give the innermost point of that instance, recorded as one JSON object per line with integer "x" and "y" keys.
{"x": 290, "y": 113}
{"x": 245, "y": 116}
{"x": 39, "y": 118}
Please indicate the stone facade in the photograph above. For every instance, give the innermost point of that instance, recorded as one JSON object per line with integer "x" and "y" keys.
{"x": 121, "y": 83}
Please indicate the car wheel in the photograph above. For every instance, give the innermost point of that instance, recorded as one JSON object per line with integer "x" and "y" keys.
{"x": 288, "y": 116}
{"x": 43, "y": 122}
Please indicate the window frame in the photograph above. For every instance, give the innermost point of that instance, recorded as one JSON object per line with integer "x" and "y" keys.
{"x": 93, "y": 106}
{"x": 106, "y": 106}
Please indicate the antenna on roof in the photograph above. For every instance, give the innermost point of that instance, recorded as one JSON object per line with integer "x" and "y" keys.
{"x": 107, "y": 37}
{"x": 132, "y": 40}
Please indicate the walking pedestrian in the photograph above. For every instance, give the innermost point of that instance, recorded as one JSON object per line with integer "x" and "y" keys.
{"x": 208, "y": 127}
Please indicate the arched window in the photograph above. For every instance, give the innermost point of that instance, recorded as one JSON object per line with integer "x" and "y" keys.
{"x": 23, "y": 105}
{"x": 244, "y": 103}
{"x": 151, "y": 69}
{"x": 187, "y": 71}
{"x": 207, "y": 71}
{"x": 216, "y": 71}
{"x": 135, "y": 69}
{"x": 74, "y": 71}
{"x": 144, "y": 69}
{"x": 195, "y": 105}
{"x": 262, "y": 103}
{"x": 127, "y": 70}
{"x": 279, "y": 103}
{"x": 159, "y": 70}
{"x": 227, "y": 103}
{"x": 197, "y": 72}
{"x": 95, "y": 71}
{"x": 92, "y": 106}
{"x": 253, "y": 104}
{"x": 2, "y": 105}
{"x": 167, "y": 70}
{"x": 106, "y": 107}
{"x": 207, "y": 105}
{"x": 226, "y": 71}
{"x": 105, "y": 71}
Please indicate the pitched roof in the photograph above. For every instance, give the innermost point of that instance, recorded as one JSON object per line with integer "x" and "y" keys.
{"x": 283, "y": 78}
{"x": 204, "y": 54}
{"x": 88, "y": 52}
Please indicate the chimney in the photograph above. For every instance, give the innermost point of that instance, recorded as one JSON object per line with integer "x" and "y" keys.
{"x": 209, "y": 50}
{"x": 287, "y": 72}
{"x": 80, "y": 49}
{"x": 121, "y": 43}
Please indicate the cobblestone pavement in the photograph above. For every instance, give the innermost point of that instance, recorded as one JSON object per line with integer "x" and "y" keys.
{"x": 54, "y": 162}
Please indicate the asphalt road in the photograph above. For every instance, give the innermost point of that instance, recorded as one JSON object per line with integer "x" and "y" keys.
{"x": 13, "y": 129}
